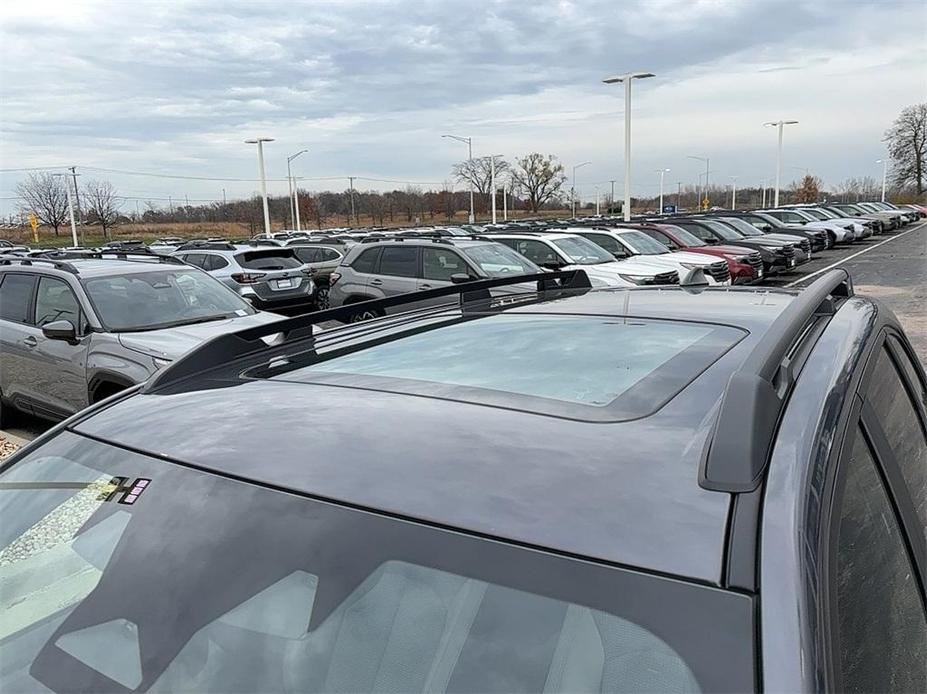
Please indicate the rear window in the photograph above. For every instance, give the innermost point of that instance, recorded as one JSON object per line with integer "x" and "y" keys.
{"x": 284, "y": 259}
{"x": 587, "y": 367}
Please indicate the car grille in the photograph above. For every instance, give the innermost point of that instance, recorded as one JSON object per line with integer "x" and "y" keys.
{"x": 719, "y": 272}
{"x": 671, "y": 277}
{"x": 805, "y": 245}
{"x": 786, "y": 252}
{"x": 755, "y": 260}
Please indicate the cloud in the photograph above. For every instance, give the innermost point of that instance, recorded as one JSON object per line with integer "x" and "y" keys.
{"x": 369, "y": 86}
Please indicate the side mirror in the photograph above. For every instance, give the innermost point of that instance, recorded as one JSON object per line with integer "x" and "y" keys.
{"x": 711, "y": 241}
{"x": 60, "y": 330}
{"x": 460, "y": 278}
{"x": 552, "y": 265}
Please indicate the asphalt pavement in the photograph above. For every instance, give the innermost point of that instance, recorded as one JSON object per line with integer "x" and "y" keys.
{"x": 890, "y": 267}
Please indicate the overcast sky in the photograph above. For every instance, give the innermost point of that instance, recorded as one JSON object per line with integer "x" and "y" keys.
{"x": 369, "y": 87}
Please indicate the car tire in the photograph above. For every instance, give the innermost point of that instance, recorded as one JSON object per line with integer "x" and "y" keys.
{"x": 322, "y": 300}
{"x": 831, "y": 239}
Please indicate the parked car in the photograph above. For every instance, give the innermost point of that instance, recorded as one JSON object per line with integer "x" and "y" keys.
{"x": 651, "y": 490}
{"x": 907, "y": 216}
{"x": 322, "y": 257}
{"x": 889, "y": 220}
{"x": 744, "y": 264}
{"x": 271, "y": 278}
{"x": 803, "y": 245}
{"x": 861, "y": 228}
{"x": 821, "y": 239}
{"x": 557, "y": 250}
{"x": 76, "y": 328}
{"x": 797, "y": 217}
{"x": 777, "y": 256}
{"x": 631, "y": 243}
{"x": 387, "y": 268}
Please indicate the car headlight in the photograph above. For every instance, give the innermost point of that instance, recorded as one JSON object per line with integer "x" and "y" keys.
{"x": 635, "y": 279}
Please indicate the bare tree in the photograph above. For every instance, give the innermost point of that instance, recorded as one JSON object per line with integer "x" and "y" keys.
{"x": 907, "y": 146}
{"x": 479, "y": 172}
{"x": 46, "y": 196}
{"x": 102, "y": 203}
{"x": 539, "y": 177}
{"x": 807, "y": 190}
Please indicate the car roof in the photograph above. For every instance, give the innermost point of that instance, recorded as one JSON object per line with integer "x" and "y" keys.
{"x": 569, "y": 485}
{"x": 94, "y": 267}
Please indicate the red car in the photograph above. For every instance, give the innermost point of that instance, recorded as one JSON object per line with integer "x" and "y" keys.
{"x": 746, "y": 264}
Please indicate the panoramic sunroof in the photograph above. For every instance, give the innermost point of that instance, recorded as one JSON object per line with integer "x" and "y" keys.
{"x": 586, "y": 367}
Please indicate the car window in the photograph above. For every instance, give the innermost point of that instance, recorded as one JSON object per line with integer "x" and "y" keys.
{"x": 896, "y": 413}
{"x": 307, "y": 254}
{"x": 582, "y": 251}
{"x": 214, "y": 262}
{"x": 328, "y": 254}
{"x": 607, "y": 242}
{"x": 282, "y": 259}
{"x": 685, "y": 237}
{"x": 16, "y": 297}
{"x": 124, "y": 572}
{"x": 366, "y": 261}
{"x": 399, "y": 261}
{"x": 537, "y": 252}
{"x": 660, "y": 237}
{"x": 441, "y": 263}
{"x": 641, "y": 243}
{"x": 698, "y": 231}
{"x": 198, "y": 259}
{"x": 497, "y": 260}
{"x": 881, "y": 627}
{"x": 55, "y": 301}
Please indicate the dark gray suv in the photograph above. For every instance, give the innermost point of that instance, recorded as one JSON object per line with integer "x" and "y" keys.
{"x": 76, "y": 330}
{"x": 574, "y": 490}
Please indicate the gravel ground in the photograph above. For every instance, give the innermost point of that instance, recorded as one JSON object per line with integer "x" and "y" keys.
{"x": 7, "y": 447}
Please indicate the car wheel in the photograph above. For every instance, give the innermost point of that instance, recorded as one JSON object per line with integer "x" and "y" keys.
{"x": 831, "y": 239}
{"x": 321, "y": 298}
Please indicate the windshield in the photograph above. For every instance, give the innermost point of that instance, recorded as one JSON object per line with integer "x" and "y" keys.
{"x": 684, "y": 237}
{"x": 284, "y": 259}
{"x": 161, "y": 299}
{"x": 581, "y": 251}
{"x": 724, "y": 231}
{"x": 124, "y": 572}
{"x": 497, "y": 260}
{"x": 743, "y": 227}
{"x": 643, "y": 244}
{"x": 817, "y": 214}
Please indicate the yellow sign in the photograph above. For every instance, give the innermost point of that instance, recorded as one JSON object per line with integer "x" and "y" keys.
{"x": 705, "y": 203}
{"x": 34, "y": 223}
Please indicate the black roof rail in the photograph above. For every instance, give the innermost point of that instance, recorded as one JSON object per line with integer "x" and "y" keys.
{"x": 229, "y": 346}
{"x": 207, "y": 246}
{"x": 23, "y": 260}
{"x": 128, "y": 254}
{"x": 756, "y": 393}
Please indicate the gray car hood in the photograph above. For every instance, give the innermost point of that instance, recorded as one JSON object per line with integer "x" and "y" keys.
{"x": 170, "y": 343}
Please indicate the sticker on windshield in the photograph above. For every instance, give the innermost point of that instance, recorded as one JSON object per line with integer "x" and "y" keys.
{"x": 241, "y": 312}
{"x": 122, "y": 491}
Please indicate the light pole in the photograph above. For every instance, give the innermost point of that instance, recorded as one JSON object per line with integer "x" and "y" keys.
{"x": 627, "y": 78}
{"x": 67, "y": 185}
{"x": 707, "y": 163}
{"x": 492, "y": 183}
{"x": 678, "y": 194}
{"x": 596, "y": 201}
{"x": 294, "y": 196}
{"x": 733, "y": 192}
{"x": 884, "y": 163}
{"x": 469, "y": 142}
{"x": 780, "y": 124}
{"x": 662, "y": 173}
{"x": 259, "y": 141}
{"x": 573, "y": 187}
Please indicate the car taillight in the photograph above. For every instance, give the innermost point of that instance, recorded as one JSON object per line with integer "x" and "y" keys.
{"x": 332, "y": 278}
{"x": 248, "y": 277}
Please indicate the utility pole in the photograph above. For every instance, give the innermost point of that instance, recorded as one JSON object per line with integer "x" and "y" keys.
{"x": 224, "y": 201}
{"x": 259, "y": 141}
{"x": 353, "y": 213}
{"x": 138, "y": 215}
{"x": 733, "y": 192}
{"x": 80, "y": 215}
{"x": 67, "y": 187}
{"x": 884, "y": 163}
{"x": 505, "y": 204}
{"x": 678, "y": 194}
{"x": 469, "y": 143}
{"x": 611, "y": 201}
{"x": 170, "y": 203}
{"x": 596, "y": 201}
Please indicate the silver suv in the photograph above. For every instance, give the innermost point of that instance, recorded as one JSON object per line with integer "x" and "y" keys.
{"x": 271, "y": 278}
{"x": 76, "y": 330}
{"x": 382, "y": 267}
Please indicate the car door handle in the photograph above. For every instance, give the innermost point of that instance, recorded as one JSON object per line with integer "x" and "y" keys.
{"x": 30, "y": 341}
{"x": 424, "y": 286}
{"x": 376, "y": 282}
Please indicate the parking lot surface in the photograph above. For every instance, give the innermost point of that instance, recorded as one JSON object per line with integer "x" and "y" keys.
{"x": 890, "y": 267}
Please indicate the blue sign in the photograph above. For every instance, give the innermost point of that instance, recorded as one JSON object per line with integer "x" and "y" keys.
{"x": 669, "y": 209}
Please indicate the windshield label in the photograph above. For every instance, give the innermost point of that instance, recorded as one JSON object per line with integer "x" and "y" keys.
{"x": 122, "y": 491}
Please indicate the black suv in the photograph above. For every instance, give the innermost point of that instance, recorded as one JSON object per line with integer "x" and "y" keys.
{"x": 651, "y": 489}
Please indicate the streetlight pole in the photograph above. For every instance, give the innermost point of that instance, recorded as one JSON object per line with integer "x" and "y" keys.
{"x": 67, "y": 186}
{"x": 353, "y": 214}
{"x": 627, "y": 78}
{"x": 678, "y": 194}
{"x": 733, "y": 192}
{"x": 294, "y": 196}
{"x": 573, "y": 187}
{"x": 492, "y": 183}
{"x": 884, "y": 163}
{"x": 259, "y": 141}
{"x": 780, "y": 124}
{"x": 596, "y": 201}
{"x": 707, "y": 163}
{"x": 662, "y": 173}
{"x": 469, "y": 142}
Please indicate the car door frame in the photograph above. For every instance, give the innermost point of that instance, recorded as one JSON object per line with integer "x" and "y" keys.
{"x": 861, "y": 416}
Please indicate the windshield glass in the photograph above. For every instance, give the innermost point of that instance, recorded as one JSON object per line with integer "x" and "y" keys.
{"x": 581, "y": 251}
{"x": 743, "y": 227}
{"x": 829, "y": 213}
{"x": 817, "y": 214}
{"x": 497, "y": 260}
{"x": 121, "y": 572}
{"x": 643, "y": 244}
{"x": 284, "y": 259}
{"x": 724, "y": 231}
{"x": 160, "y": 299}
{"x": 685, "y": 237}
